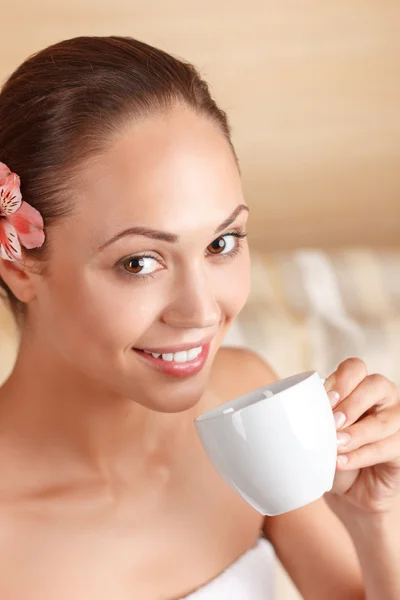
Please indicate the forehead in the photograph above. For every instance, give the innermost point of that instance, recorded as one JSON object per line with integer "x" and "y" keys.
{"x": 174, "y": 171}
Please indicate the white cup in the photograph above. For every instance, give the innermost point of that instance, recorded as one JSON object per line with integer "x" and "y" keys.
{"x": 276, "y": 446}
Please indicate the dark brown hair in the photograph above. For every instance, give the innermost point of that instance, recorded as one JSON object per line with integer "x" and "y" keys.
{"x": 63, "y": 104}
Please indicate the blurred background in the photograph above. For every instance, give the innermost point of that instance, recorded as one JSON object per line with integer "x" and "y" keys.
{"x": 312, "y": 90}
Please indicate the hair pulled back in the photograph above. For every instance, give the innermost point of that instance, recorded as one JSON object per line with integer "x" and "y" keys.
{"x": 63, "y": 104}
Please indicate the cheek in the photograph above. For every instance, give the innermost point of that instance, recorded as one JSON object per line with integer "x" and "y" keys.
{"x": 123, "y": 311}
{"x": 97, "y": 313}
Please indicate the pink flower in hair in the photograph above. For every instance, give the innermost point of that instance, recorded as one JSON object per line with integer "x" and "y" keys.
{"x": 20, "y": 223}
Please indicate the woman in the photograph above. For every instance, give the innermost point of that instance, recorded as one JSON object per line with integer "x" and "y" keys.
{"x": 125, "y": 262}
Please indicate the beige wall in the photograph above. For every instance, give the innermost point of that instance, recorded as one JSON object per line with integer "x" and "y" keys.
{"x": 312, "y": 88}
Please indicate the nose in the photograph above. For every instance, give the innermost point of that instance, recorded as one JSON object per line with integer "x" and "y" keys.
{"x": 194, "y": 304}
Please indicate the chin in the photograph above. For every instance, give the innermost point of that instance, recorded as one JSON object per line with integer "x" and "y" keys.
{"x": 169, "y": 401}
{"x": 166, "y": 393}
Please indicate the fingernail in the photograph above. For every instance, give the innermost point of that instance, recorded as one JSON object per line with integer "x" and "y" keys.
{"x": 334, "y": 397}
{"x": 342, "y": 459}
{"x": 342, "y": 439}
{"x": 340, "y": 419}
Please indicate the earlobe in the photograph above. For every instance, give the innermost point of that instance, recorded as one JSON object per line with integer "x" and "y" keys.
{"x": 18, "y": 279}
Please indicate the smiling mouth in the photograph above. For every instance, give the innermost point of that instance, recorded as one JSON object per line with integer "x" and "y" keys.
{"x": 183, "y": 356}
{"x": 183, "y": 363}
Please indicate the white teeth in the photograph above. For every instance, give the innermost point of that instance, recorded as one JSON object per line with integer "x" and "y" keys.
{"x": 186, "y": 355}
{"x": 193, "y": 353}
{"x": 179, "y": 357}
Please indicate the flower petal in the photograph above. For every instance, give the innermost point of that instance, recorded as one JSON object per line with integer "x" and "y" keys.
{"x": 29, "y": 225}
{"x": 4, "y": 171}
{"x": 10, "y": 194}
{"x": 10, "y": 248}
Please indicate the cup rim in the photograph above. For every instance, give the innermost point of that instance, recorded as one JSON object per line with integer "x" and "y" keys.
{"x": 218, "y": 411}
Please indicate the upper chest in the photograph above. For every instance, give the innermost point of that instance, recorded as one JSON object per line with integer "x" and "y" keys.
{"x": 157, "y": 539}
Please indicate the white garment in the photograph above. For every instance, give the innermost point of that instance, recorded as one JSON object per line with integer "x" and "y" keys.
{"x": 250, "y": 577}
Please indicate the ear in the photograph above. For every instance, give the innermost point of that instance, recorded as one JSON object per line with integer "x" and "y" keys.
{"x": 18, "y": 278}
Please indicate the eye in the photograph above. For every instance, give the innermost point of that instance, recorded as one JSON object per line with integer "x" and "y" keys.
{"x": 223, "y": 244}
{"x": 141, "y": 265}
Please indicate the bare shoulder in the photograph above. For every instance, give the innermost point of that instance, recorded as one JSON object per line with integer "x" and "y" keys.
{"x": 237, "y": 371}
{"x": 318, "y": 569}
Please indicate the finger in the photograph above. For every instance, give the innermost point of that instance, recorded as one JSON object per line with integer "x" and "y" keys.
{"x": 370, "y": 429}
{"x": 374, "y": 391}
{"x": 347, "y": 377}
{"x": 384, "y": 451}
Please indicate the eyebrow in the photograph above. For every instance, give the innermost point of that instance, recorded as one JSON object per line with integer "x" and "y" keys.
{"x": 164, "y": 236}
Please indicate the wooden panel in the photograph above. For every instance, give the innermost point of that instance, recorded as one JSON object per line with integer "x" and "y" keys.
{"x": 312, "y": 88}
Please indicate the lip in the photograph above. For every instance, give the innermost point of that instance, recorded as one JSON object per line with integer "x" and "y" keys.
{"x": 177, "y": 348}
{"x": 175, "y": 369}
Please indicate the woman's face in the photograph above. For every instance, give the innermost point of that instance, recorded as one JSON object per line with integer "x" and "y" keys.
{"x": 151, "y": 261}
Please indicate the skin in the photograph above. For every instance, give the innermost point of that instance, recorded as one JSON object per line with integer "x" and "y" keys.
{"x": 106, "y": 491}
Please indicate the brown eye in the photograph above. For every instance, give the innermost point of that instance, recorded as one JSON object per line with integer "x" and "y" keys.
{"x": 142, "y": 265}
{"x": 134, "y": 265}
{"x": 222, "y": 245}
{"x": 218, "y": 246}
